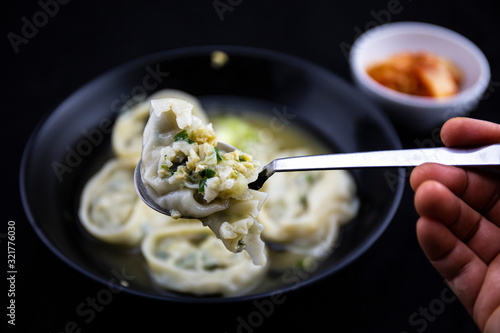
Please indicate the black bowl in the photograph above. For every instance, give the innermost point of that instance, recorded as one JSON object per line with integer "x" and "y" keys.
{"x": 74, "y": 141}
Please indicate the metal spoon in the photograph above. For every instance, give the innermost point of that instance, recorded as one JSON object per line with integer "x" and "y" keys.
{"x": 478, "y": 156}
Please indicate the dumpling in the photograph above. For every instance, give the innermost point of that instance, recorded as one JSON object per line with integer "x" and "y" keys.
{"x": 187, "y": 175}
{"x": 304, "y": 210}
{"x": 107, "y": 205}
{"x": 126, "y": 137}
{"x": 188, "y": 258}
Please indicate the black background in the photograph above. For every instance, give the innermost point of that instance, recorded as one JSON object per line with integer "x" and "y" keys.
{"x": 378, "y": 293}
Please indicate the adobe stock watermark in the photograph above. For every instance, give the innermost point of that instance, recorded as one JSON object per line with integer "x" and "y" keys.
{"x": 223, "y": 6}
{"x": 88, "y": 309}
{"x": 93, "y": 137}
{"x": 392, "y": 177}
{"x": 421, "y": 318}
{"x": 382, "y": 16}
{"x": 31, "y": 26}
{"x": 293, "y": 277}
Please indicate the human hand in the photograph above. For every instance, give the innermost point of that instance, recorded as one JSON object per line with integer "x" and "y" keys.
{"x": 459, "y": 225}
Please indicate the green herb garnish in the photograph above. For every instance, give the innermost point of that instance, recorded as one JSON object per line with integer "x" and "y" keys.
{"x": 218, "y": 155}
{"x": 202, "y": 185}
{"x": 183, "y": 136}
{"x": 207, "y": 173}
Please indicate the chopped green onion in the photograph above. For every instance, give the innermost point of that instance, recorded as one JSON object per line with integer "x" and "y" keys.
{"x": 202, "y": 185}
{"x": 218, "y": 155}
{"x": 183, "y": 136}
{"x": 207, "y": 173}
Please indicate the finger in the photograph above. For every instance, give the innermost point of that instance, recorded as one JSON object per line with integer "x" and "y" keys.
{"x": 488, "y": 301}
{"x": 493, "y": 323}
{"x": 435, "y": 201}
{"x": 468, "y": 132}
{"x": 461, "y": 268}
{"x": 478, "y": 188}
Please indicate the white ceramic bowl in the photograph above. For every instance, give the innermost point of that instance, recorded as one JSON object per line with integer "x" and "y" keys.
{"x": 415, "y": 112}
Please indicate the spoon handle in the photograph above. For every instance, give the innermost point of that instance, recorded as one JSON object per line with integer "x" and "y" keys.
{"x": 478, "y": 156}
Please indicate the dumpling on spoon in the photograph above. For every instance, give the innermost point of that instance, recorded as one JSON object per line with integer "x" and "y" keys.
{"x": 187, "y": 175}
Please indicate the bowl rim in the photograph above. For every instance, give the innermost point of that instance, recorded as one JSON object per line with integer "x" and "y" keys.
{"x": 400, "y": 28}
{"x": 192, "y": 51}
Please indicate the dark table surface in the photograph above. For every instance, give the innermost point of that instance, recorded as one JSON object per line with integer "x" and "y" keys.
{"x": 391, "y": 288}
